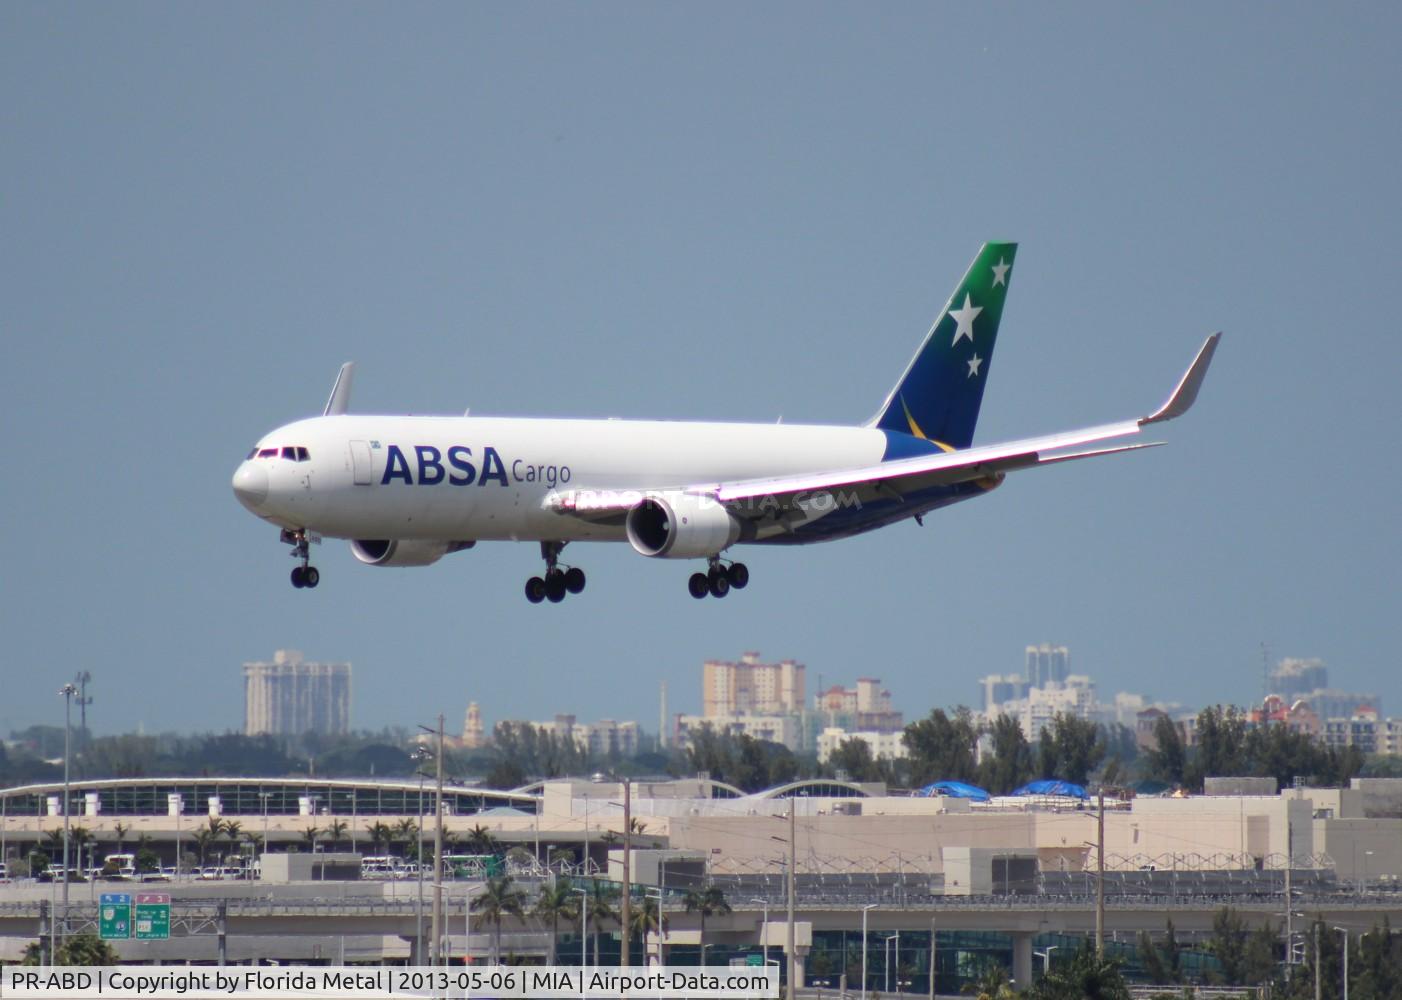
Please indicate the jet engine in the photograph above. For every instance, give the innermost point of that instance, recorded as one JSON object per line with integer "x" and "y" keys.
{"x": 403, "y": 551}
{"x": 681, "y": 526}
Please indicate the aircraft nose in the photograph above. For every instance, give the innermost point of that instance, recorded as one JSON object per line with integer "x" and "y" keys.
{"x": 251, "y": 485}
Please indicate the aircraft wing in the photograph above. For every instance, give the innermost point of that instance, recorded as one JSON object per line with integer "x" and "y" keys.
{"x": 897, "y": 479}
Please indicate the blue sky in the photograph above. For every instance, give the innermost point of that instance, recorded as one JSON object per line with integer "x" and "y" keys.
{"x": 697, "y": 212}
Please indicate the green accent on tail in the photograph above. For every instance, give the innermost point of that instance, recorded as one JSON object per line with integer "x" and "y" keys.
{"x": 939, "y": 395}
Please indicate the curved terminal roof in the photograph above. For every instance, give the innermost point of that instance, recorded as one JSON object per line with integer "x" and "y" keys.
{"x": 816, "y": 788}
{"x": 256, "y": 796}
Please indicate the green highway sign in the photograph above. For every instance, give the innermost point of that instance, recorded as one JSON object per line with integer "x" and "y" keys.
{"x": 114, "y": 916}
{"x": 753, "y": 961}
{"x": 152, "y": 917}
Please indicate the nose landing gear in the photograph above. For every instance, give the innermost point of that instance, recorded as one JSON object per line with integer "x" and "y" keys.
{"x": 304, "y": 575}
{"x": 719, "y": 580}
{"x": 557, "y": 581}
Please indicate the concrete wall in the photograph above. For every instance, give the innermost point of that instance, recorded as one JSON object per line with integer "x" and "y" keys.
{"x": 1349, "y": 841}
{"x": 1382, "y": 797}
{"x": 281, "y": 868}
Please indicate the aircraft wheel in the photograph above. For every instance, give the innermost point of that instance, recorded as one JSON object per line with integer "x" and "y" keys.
{"x": 299, "y": 577}
{"x": 311, "y": 577}
{"x": 739, "y": 575}
{"x": 574, "y": 580}
{"x": 698, "y": 585}
{"x": 555, "y": 586}
{"x": 535, "y": 590}
{"x": 718, "y": 583}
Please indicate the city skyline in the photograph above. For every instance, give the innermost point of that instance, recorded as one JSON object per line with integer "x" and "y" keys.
{"x": 546, "y": 707}
{"x": 572, "y": 213}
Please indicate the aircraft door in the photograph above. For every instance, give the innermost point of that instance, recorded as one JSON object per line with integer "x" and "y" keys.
{"x": 360, "y": 462}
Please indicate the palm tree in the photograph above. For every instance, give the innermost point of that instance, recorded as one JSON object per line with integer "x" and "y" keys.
{"x": 335, "y": 830}
{"x": 645, "y": 918}
{"x": 121, "y": 830}
{"x": 708, "y": 902}
{"x": 380, "y": 835}
{"x": 407, "y": 831}
{"x": 598, "y": 907}
{"x": 146, "y": 858}
{"x": 203, "y": 837}
{"x": 233, "y": 830}
{"x": 79, "y": 837}
{"x": 480, "y": 840}
{"x": 556, "y": 902}
{"x": 496, "y": 901}
{"x": 993, "y": 984}
{"x": 54, "y": 840}
{"x": 311, "y": 835}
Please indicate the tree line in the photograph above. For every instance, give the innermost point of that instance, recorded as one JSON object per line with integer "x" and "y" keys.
{"x": 945, "y": 745}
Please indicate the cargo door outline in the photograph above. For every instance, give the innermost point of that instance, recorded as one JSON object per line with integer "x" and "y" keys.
{"x": 361, "y": 466}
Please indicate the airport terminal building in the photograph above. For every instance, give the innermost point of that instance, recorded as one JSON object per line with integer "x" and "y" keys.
{"x": 994, "y": 878}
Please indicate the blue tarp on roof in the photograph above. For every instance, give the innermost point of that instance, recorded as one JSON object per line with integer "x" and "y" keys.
{"x": 1053, "y": 787}
{"x": 955, "y": 790}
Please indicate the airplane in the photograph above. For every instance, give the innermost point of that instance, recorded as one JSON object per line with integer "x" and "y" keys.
{"x": 408, "y": 490}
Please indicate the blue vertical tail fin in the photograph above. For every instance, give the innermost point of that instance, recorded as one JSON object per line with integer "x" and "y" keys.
{"x": 938, "y": 397}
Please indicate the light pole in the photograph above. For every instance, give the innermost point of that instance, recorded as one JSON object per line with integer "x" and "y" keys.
{"x": 886, "y": 954}
{"x": 68, "y": 691}
{"x": 661, "y": 928}
{"x": 583, "y": 929}
{"x": 627, "y": 871}
{"x": 792, "y": 956}
{"x": 584, "y": 861}
{"x": 764, "y": 928}
{"x": 419, "y": 756}
{"x": 1344, "y": 931}
{"x": 869, "y": 906}
{"x": 263, "y": 797}
{"x": 1363, "y": 876}
{"x": 1045, "y": 956}
{"x": 793, "y": 877}
{"x": 932, "y": 958}
{"x": 436, "y": 947}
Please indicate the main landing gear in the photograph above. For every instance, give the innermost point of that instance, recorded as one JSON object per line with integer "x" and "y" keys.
{"x": 557, "y": 581}
{"x": 304, "y": 575}
{"x": 719, "y": 580}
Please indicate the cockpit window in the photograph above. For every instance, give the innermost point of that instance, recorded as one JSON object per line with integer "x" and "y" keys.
{"x": 253, "y": 453}
{"x": 289, "y": 452}
{"x": 303, "y": 455}
{"x": 268, "y": 453}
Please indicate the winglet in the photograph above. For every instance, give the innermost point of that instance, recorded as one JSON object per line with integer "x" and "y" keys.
{"x": 340, "y": 392}
{"x": 1186, "y": 392}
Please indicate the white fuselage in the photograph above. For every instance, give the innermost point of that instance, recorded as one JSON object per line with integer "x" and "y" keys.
{"x": 485, "y": 478}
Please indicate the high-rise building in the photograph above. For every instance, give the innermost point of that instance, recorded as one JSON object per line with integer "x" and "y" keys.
{"x": 604, "y": 738}
{"x": 1047, "y": 663}
{"x": 864, "y": 707}
{"x": 289, "y": 697}
{"x": 996, "y": 689}
{"x": 1293, "y": 678}
{"x": 751, "y": 688}
{"x": 473, "y": 734}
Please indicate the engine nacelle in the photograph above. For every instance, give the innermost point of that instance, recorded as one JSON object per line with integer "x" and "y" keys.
{"x": 680, "y": 526}
{"x": 403, "y": 551}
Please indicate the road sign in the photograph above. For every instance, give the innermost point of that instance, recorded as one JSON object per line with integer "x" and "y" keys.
{"x": 114, "y": 916}
{"x": 753, "y": 961}
{"x": 152, "y": 917}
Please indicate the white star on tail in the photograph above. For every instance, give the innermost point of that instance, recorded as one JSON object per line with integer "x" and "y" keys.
{"x": 965, "y": 318}
{"x": 974, "y": 362}
{"x": 1000, "y": 273}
